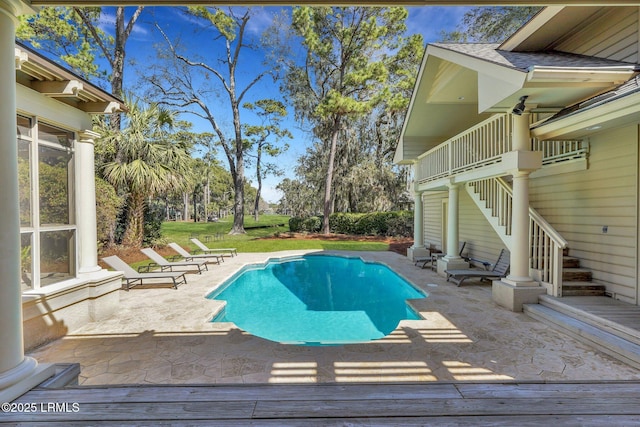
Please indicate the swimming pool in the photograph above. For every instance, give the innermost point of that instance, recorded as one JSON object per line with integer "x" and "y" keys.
{"x": 317, "y": 300}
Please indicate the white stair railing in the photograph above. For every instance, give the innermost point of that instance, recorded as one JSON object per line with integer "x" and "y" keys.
{"x": 546, "y": 243}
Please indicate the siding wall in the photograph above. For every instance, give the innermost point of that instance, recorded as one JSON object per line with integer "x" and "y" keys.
{"x": 612, "y": 35}
{"x": 579, "y": 204}
{"x": 482, "y": 242}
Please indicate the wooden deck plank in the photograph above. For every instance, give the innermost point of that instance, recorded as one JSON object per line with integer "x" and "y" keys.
{"x": 460, "y": 404}
{"x": 575, "y": 390}
{"x": 131, "y": 411}
{"x": 448, "y": 421}
{"x": 334, "y": 392}
{"x": 245, "y": 392}
{"x": 282, "y": 410}
{"x": 435, "y": 407}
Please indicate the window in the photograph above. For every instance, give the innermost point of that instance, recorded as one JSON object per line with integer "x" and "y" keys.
{"x": 56, "y": 256}
{"x": 24, "y": 171}
{"x": 54, "y": 172}
{"x": 47, "y": 223}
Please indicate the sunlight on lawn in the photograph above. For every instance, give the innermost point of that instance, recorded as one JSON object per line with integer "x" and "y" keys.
{"x": 259, "y": 236}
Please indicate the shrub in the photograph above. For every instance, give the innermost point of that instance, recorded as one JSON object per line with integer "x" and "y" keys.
{"x": 342, "y": 223}
{"x": 313, "y": 224}
{"x": 153, "y": 216}
{"x": 295, "y": 224}
{"x": 400, "y": 224}
{"x": 108, "y": 205}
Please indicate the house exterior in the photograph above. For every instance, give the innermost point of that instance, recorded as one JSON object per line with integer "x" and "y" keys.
{"x": 62, "y": 285}
{"x": 532, "y": 146}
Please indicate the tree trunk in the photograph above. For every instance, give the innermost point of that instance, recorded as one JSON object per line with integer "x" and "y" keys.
{"x": 195, "y": 207}
{"x": 238, "y": 204}
{"x": 256, "y": 205}
{"x": 134, "y": 233}
{"x": 328, "y": 205}
{"x": 185, "y": 206}
{"x": 205, "y": 197}
{"x": 238, "y": 177}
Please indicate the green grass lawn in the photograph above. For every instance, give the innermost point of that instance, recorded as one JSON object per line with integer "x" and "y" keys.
{"x": 255, "y": 240}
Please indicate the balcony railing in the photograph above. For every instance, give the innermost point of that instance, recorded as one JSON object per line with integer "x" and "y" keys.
{"x": 483, "y": 145}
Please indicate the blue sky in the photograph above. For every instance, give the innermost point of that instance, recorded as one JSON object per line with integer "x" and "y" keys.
{"x": 429, "y": 21}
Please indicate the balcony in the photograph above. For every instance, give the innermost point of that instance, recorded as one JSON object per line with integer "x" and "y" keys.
{"x": 479, "y": 151}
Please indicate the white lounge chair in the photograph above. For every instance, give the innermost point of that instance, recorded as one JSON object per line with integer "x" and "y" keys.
{"x": 206, "y": 250}
{"x": 132, "y": 277}
{"x": 193, "y": 257}
{"x": 159, "y": 261}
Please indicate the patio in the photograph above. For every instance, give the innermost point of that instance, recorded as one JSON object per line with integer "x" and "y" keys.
{"x": 162, "y": 336}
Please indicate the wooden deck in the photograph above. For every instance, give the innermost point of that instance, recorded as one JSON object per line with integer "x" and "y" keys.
{"x": 624, "y": 314}
{"x": 439, "y": 404}
{"x": 611, "y": 315}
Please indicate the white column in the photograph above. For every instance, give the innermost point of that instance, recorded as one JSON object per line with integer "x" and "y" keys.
{"x": 418, "y": 219}
{"x": 14, "y": 366}
{"x": 86, "y": 203}
{"x": 519, "y": 270}
{"x": 452, "y": 224}
{"x": 518, "y": 288}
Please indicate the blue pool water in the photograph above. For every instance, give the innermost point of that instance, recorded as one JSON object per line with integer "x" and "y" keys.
{"x": 317, "y": 300}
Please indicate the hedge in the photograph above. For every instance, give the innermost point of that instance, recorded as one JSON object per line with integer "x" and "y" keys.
{"x": 398, "y": 223}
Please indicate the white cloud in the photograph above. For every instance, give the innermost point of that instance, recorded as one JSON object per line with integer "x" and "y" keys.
{"x": 107, "y": 23}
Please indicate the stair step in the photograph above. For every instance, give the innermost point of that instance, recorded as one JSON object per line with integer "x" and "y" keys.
{"x": 577, "y": 288}
{"x": 570, "y": 262}
{"x": 576, "y": 275}
{"x": 619, "y": 348}
{"x": 598, "y": 305}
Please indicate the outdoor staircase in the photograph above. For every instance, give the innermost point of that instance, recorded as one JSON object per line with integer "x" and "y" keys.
{"x": 577, "y": 281}
{"x": 549, "y": 253}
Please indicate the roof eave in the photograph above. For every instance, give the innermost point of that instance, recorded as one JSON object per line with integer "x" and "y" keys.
{"x": 611, "y": 74}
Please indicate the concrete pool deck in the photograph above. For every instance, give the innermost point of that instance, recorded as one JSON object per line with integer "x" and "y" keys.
{"x": 163, "y": 336}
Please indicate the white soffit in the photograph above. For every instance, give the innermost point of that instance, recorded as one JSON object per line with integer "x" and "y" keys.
{"x": 494, "y": 88}
{"x": 611, "y": 75}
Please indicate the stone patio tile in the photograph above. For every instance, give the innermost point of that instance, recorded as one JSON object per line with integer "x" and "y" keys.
{"x": 465, "y": 336}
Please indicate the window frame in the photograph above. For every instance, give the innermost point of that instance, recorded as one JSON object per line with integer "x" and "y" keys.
{"x": 36, "y": 230}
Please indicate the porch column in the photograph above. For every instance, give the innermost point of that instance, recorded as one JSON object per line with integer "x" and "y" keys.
{"x": 86, "y": 203}
{"x": 452, "y": 260}
{"x": 519, "y": 271}
{"x": 418, "y": 232}
{"x": 452, "y": 223}
{"x": 417, "y": 250}
{"x": 518, "y": 287}
{"x": 15, "y": 368}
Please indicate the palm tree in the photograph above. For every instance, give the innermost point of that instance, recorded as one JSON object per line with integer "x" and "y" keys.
{"x": 147, "y": 161}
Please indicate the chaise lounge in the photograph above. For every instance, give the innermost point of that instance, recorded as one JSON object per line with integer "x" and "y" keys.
{"x": 132, "y": 277}
{"x": 206, "y": 250}
{"x": 159, "y": 261}
{"x": 193, "y": 257}
{"x": 500, "y": 269}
